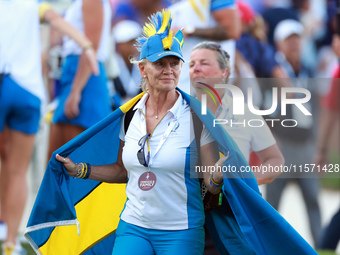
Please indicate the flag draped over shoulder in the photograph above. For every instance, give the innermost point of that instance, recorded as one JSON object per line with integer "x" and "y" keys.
{"x": 66, "y": 207}
{"x": 263, "y": 228}
{"x": 63, "y": 204}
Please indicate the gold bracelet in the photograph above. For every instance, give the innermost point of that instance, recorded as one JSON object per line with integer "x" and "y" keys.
{"x": 84, "y": 171}
{"x": 213, "y": 183}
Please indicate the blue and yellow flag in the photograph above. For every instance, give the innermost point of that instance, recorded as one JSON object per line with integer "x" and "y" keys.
{"x": 75, "y": 216}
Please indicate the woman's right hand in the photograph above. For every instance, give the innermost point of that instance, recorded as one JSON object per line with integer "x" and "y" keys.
{"x": 70, "y": 166}
{"x": 92, "y": 60}
{"x": 72, "y": 105}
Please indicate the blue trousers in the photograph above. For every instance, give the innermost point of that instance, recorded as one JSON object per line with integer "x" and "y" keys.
{"x": 331, "y": 235}
{"x": 132, "y": 240}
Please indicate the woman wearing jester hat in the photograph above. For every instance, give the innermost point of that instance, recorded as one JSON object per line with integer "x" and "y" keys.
{"x": 154, "y": 155}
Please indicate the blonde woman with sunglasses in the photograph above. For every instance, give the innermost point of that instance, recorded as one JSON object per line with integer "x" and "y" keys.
{"x": 164, "y": 211}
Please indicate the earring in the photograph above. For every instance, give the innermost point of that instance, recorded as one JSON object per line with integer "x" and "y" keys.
{"x": 144, "y": 75}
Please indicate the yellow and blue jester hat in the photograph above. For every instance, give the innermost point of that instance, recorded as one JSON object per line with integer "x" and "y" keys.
{"x": 157, "y": 41}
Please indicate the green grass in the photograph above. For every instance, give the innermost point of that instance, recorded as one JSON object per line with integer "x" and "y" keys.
{"x": 325, "y": 252}
{"x": 28, "y": 248}
{"x": 332, "y": 180}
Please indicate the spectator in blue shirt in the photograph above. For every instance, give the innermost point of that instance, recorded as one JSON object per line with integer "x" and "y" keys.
{"x": 253, "y": 45}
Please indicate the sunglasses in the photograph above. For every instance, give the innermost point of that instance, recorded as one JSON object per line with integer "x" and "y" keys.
{"x": 140, "y": 154}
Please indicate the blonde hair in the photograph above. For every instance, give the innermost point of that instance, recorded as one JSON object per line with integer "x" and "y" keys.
{"x": 258, "y": 29}
{"x": 143, "y": 83}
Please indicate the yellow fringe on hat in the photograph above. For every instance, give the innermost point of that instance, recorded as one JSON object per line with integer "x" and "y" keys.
{"x": 160, "y": 23}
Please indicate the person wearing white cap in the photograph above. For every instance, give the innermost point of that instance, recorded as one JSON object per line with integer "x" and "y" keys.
{"x": 287, "y": 37}
{"x": 287, "y": 28}
{"x": 298, "y": 143}
{"x": 126, "y": 84}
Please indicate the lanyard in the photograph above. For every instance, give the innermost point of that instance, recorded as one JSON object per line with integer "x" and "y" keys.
{"x": 173, "y": 124}
{"x": 164, "y": 137}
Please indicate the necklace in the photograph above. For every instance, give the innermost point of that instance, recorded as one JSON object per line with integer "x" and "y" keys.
{"x": 156, "y": 116}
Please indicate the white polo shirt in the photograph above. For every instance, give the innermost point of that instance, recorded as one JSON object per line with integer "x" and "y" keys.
{"x": 175, "y": 202}
{"x": 20, "y": 44}
{"x": 247, "y": 138}
{"x": 74, "y": 15}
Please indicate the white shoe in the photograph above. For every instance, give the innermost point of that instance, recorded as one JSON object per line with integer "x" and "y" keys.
{"x": 11, "y": 249}
{"x": 3, "y": 231}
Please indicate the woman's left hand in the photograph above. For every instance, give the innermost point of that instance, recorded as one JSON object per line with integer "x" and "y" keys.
{"x": 217, "y": 176}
